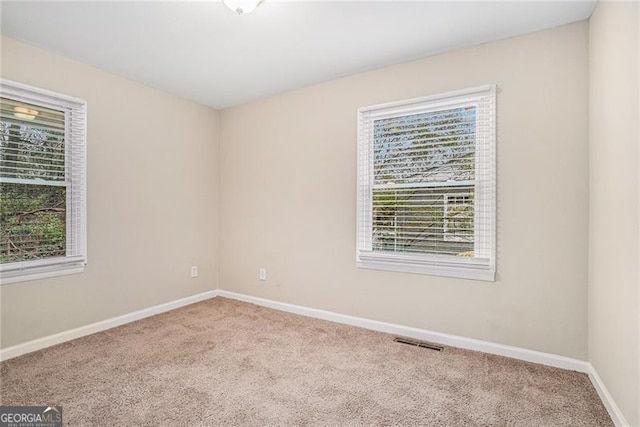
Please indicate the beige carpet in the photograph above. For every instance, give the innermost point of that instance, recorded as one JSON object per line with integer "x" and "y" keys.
{"x": 223, "y": 362}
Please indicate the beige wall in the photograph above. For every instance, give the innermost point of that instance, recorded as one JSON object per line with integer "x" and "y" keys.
{"x": 152, "y": 200}
{"x": 614, "y": 316}
{"x": 288, "y": 199}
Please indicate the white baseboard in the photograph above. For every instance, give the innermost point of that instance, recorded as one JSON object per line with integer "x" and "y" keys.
{"x": 614, "y": 412}
{"x": 40, "y": 343}
{"x": 421, "y": 334}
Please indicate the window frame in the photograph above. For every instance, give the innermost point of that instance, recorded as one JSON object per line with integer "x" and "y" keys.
{"x": 480, "y": 268}
{"x": 75, "y": 111}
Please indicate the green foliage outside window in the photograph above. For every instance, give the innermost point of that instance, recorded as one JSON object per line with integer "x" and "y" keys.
{"x": 32, "y": 222}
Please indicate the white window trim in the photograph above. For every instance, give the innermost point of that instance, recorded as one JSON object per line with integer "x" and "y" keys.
{"x": 51, "y": 267}
{"x": 478, "y": 268}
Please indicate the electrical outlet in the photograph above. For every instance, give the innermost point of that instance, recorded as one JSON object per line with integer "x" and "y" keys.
{"x": 194, "y": 271}
{"x": 263, "y": 274}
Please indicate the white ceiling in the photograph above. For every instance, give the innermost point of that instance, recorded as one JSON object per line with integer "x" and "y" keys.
{"x": 204, "y": 52}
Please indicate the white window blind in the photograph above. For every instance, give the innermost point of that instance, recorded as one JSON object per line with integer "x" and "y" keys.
{"x": 42, "y": 183}
{"x": 426, "y": 185}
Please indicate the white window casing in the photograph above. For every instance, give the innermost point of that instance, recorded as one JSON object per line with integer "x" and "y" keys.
{"x": 416, "y": 158}
{"x": 72, "y": 176}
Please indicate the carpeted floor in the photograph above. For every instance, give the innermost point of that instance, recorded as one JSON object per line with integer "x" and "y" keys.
{"x": 223, "y": 362}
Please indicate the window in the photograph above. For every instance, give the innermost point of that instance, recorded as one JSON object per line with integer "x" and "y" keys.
{"x": 426, "y": 185}
{"x": 42, "y": 183}
{"x": 458, "y": 217}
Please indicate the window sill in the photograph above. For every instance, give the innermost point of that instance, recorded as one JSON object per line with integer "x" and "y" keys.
{"x": 35, "y": 274}
{"x": 460, "y": 272}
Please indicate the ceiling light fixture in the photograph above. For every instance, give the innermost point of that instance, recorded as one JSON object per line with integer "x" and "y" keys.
{"x": 241, "y": 7}
{"x": 25, "y": 113}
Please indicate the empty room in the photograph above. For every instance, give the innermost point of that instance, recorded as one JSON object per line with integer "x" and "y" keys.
{"x": 326, "y": 213}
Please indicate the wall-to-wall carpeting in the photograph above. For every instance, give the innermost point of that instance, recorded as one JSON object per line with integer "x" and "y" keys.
{"x": 223, "y": 362}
